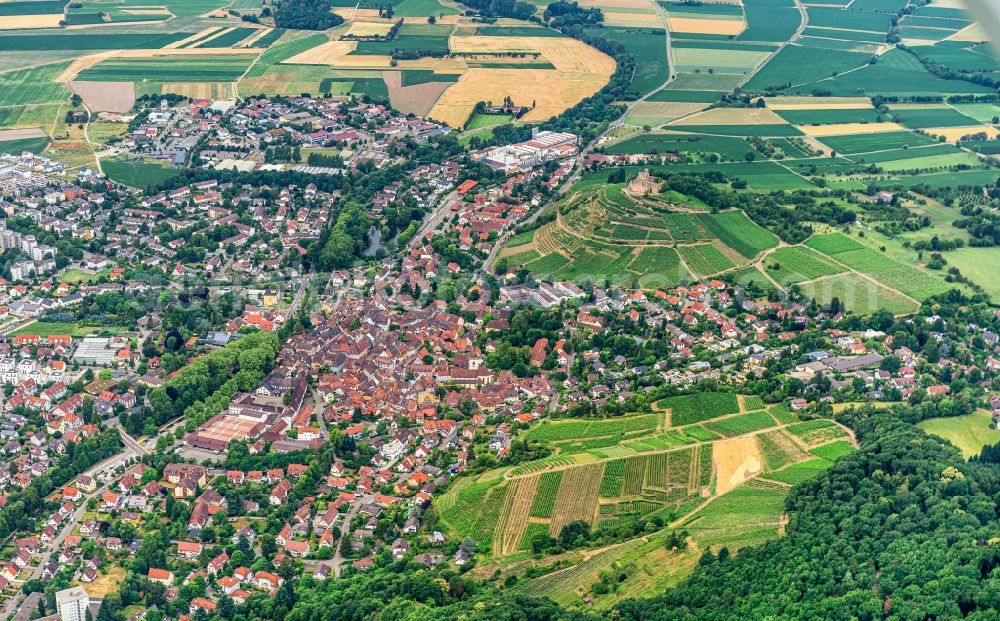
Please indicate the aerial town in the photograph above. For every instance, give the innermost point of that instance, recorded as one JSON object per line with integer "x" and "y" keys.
{"x": 425, "y": 310}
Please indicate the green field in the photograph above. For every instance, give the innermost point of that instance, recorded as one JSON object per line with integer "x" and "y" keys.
{"x": 687, "y": 409}
{"x": 84, "y": 42}
{"x": 196, "y": 69}
{"x": 968, "y": 57}
{"x": 479, "y": 121}
{"x": 582, "y": 429}
{"x": 47, "y": 328}
{"x": 516, "y": 31}
{"x": 910, "y": 280}
{"x": 750, "y": 277}
{"x": 849, "y": 20}
{"x": 741, "y": 424}
{"x": 862, "y": 143}
{"x": 761, "y": 176}
{"x": 33, "y": 86}
{"x": 856, "y": 294}
{"x": 33, "y": 145}
{"x": 694, "y": 57}
{"x": 231, "y": 38}
{"x": 705, "y": 259}
{"x": 727, "y": 148}
{"x": 739, "y": 130}
{"x": 411, "y": 37}
{"x": 832, "y": 243}
{"x": 649, "y": 49}
{"x": 898, "y": 73}
{"x": 744, "y": 516}
{"x": 685, "y": 96}
{"x": 796, "y": 64}
{"x": 31, "y": 7}
{"x": 422, "y": 76}
{"x": 137, "y": 174}
{"x": 833, "y": 450}
{"x": 970, "y": 433}
{"x": 919, "y": 118}
{"x": 739, "y": 232}
{"x": 978, "y": 264}
{"x": 827, "y": 117}
{"x": 420, "y": 8}
{"x": 794, "y": 264}
{"x": 821, "y": 37}
{"x": 770, "y": 20}
{"x": 803, "y": 471}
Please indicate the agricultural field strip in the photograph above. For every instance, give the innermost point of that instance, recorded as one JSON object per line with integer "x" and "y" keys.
{"x": 848, "y": 268}
{"x": 567, "y": 463}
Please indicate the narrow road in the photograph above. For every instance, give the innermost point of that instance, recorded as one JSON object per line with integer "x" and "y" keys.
{"x": 345, "y": 526}
{"x": 437, "y": 216}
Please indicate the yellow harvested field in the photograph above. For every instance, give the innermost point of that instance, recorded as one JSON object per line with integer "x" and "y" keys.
{"x": 79, "y": 64}
{"x": 201, "y": 90}
{"x": 825, "y": 103}
{"x": 973, "y": 33}
{"x": 552, "y": 92}
{"x": 337, "y": 54}
{"x": 642, "y": 20}
{"x": 580, "y": 71}
{"x": 369, "y": 29}
{"x": 566, "y": 55}
{"x": 705, "y": 26}
{"x": 734, "y": 116}
{"x": 15, "y": 22}
{"x": 106, "y": 583}
{"x": 441, "y": 65}
{"x": 735, "y": 461}
{"x": 844, "y": 129}
{"x": 952, "y": 134}
{"x": 328, "y": 53}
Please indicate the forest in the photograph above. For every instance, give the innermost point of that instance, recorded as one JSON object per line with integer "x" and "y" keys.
{"x": 306, "y": 15}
